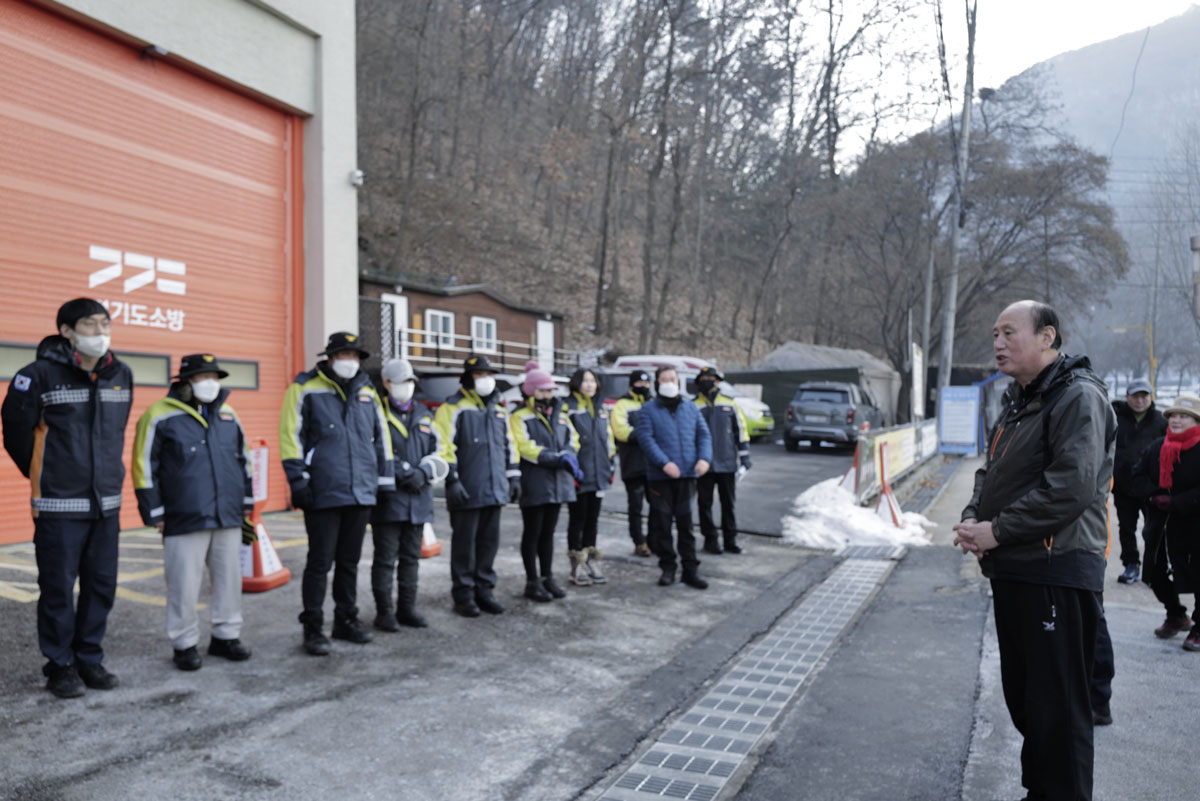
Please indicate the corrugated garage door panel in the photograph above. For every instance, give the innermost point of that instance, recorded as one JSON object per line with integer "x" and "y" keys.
{"x": 106, "y": 148}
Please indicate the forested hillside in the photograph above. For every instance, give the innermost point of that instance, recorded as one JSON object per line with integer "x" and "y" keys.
{"x": 712, "y": 176}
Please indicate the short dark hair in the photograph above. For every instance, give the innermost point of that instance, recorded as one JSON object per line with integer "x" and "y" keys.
{"x": 75, "y": 310}
{"x": 1044, "y": 315}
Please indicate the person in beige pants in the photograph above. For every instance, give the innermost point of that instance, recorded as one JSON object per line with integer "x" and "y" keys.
{"x": 192, "y": 479}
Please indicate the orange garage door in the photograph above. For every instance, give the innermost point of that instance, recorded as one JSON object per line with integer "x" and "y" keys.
{"x": 160, "y": 193}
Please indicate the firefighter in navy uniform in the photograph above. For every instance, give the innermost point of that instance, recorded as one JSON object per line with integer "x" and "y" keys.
{"x": 64, "y": 425}
{"x": 399, "y": 518}
{"x": 633, "y": 461}
{"x": 191, "y": 472}
{"x": 731, "y": 451}
{"x": 549, "y": 447}
{"x": 337, "y": 455}
{"x": 477, "y": 444}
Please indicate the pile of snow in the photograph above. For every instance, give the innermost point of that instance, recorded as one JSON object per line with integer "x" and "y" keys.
{"x": 825, "y": 516}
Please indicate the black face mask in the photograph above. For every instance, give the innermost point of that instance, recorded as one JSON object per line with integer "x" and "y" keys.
{"x": 545, "y": 408}
{"x": 706, "y": 387}
{"x": 641, "y": 392}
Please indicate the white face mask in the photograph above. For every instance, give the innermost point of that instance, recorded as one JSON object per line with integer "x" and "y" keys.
{"x": 668, "y": 390}
{"x": 401, "y": 393}
{"x": 345, "y": 368}
{"x": 206, "y": 391}
{"x": 485, "y": 386}
{"x": 95, "y": 346}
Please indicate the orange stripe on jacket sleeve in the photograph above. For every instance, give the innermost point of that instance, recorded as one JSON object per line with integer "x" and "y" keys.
{"x": 35, "y": 463}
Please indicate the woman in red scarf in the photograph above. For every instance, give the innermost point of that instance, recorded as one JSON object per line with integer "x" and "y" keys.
{"x": 1168, "y": 473}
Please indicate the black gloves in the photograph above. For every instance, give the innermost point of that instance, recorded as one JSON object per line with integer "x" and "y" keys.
{"x": 302, "y": 498}
{"x": 514, "y": 490}
{"x": 456, "y": 495}
{"x": 414, "y": 481}
{"x": 746, "y": 461}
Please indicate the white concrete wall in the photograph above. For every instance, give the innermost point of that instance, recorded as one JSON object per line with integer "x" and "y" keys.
{"x": 299, "y": 54}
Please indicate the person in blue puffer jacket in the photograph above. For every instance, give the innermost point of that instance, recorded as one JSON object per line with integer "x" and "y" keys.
{"x": 678, "y": 449}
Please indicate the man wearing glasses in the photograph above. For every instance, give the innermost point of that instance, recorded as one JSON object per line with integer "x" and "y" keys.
{"x": 64, "y": 425}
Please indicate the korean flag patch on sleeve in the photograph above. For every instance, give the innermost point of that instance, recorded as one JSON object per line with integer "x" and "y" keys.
{"x": 21, "y": 383}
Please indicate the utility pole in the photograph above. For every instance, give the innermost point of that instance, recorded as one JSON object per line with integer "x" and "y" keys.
{"x": 946, "y": 361}
{"x": 1195, "y": 242}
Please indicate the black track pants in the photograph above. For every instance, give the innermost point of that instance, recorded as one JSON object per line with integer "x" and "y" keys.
{"x": 1047, "y": 638}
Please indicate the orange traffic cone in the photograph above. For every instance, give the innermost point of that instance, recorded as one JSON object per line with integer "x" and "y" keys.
{"x": 429, "y": 542}
{"x": 261, "y": 568}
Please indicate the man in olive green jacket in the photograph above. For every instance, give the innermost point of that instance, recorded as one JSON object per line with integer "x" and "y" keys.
{"x": 1038, "y": 522}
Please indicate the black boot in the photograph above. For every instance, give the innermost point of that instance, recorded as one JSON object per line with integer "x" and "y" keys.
{"x": 692, "y": 579}
{"x": 534, "y": 591}
{"x": 316, "y": 643}
{"x": 711, "y": 545}
{"x": 351, "y": 630}
{"x": 731, "y": 546}
{"x": 384, "y": 619}
{"x": 552, "y": 587}
{"x": 486, "y": 601}
{"x": 667, "y": 578}
{"x": 406, "y": 599}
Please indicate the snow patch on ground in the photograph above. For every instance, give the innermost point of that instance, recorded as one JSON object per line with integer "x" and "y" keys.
{"x": 825, "y": 516}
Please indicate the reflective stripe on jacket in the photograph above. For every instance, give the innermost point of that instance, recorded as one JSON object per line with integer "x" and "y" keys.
{"x": 65, "y": 429}
{"x": 730, "y": 435}
{"x": 541, "y": 442}
{"x": 624, "y": 421}
{"x": 333, "y": 438}
{"x": 477, "y": 444}
{"x": 678, "y": 436}
{"x": 191, "y": 468}
{"x": 597, "y": 446}
{"x": 413, "y": 438}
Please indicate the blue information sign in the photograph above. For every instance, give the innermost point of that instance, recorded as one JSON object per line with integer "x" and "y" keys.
{"x": 958, "y": 419}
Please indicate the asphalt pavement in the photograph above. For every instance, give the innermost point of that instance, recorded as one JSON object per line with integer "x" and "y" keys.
{"x": 766, "y": 493}
{"x": 887, "y": 692}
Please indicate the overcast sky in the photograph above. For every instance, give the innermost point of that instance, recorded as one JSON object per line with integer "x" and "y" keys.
{"x": 1015, "y": 34}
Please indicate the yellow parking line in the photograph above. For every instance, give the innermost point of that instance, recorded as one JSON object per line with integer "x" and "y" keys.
{"x": 12, "y": 591}
{"x": 17, "y": 564}
{"x": 154, "y": 571}
{"x": 140, "y": 597}
{"x": 281, "y": 544}
{"x": 147, "y": 560}
{"x": 143, "y": 533}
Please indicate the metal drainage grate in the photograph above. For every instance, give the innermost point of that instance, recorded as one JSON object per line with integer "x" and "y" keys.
{"x": 893, "y": 552}
{"x": 695, "y": 757}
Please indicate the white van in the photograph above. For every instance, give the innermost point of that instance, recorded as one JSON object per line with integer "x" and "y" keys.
{"x": 758, "y": 414}
{"x": 688, "y": 367}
